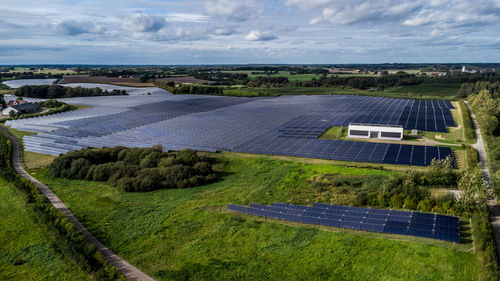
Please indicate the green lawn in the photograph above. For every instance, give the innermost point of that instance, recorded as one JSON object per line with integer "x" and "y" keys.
{"x": 26, "y": 252}
{"x": 334, "y": 133}
{"x": 182, "y": 234}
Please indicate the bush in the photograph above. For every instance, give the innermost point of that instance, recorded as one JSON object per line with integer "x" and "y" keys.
{"x": 136, "y": 169}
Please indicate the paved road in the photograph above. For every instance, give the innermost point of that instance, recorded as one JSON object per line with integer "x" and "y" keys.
{"x": 493, "y": 207}
{"x": 120, "y": 264}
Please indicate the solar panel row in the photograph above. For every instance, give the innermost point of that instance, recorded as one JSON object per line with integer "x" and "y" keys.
{"x": 376, "y": 220}
{"x": 400, "y": 154}
{"x": 427, "y": 115}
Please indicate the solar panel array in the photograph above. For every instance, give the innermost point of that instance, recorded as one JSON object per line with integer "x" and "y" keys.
{"x": 286, "y": 125}
{"x": 369, "y": 152}
{"x": 367, "y": 219}
{"x": 427, "y": 115}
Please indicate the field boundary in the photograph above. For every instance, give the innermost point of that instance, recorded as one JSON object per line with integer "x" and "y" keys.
{"x": 119, "y": 263}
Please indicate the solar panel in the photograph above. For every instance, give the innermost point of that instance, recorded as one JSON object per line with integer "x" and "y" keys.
{"x": 377, "y": 220}
{"x": 372, "y": 227}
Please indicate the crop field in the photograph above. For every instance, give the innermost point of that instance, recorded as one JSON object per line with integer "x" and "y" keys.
{"x": 26, "y": 251}
{"x": 131, "y": 82}
{"x": 180, "y": 234}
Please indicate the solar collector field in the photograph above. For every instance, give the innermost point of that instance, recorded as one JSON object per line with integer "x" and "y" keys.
{"x": 286, "y": 125}
{"x": 367, "y": 219}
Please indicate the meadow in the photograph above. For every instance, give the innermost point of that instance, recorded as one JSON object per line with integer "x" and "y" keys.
{"x": 181, "y": 234}
{"x": 33, "y": 254}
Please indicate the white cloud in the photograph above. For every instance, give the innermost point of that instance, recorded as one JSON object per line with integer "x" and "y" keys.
{"x": 257, "y": 35}
{"x": 142, "y": 22}
{"x": 224, "y": 31}
{"x": 231, "y": 10}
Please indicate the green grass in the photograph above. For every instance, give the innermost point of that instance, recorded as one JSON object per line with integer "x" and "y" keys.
{"x": 455, "y": 135}
{"x": 26, "y": 251}
{"x": 446, "y": 90}
{"x": 334, "y": 133}
{"x": 182, "y": 234}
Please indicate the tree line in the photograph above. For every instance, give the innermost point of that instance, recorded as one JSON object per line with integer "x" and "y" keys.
{"x": 57, "y": 91}
{"x": 136, "y": 169}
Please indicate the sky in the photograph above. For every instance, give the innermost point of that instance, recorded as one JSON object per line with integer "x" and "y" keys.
{"x": 248, "y": 31}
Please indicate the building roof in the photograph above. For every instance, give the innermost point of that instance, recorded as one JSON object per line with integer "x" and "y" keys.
{"x": 15, "y": 102}
{"x": 25, "y": 106}
{"x": 376, "y": 125}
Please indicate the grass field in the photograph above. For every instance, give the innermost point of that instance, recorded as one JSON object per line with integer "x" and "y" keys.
{"x": 45, "y": 70}
{"x": 297, "y": 77}
{"x": 182, "y": 234}
{"x": 448, "y": 90}
{"x": 26, "y": 251}
{"x": 334, "y": 133}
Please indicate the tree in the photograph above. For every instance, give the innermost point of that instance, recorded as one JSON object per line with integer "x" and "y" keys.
{"x": 472, "y": 188}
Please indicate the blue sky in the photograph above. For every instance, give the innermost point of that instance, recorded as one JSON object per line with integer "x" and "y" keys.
{"x": 248, "y": 31}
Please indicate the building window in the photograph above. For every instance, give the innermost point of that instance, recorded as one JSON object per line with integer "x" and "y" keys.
{"x": 358, "y": 133}
{"x": 390, "y": 135}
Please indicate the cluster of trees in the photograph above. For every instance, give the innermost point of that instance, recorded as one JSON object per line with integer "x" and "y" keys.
{"x": 487, "y": 110}
{"x": 185, "y": 89}
{"x": 486, "y": 107}
{"x": 468, "y": 89}
{"x": 136, "y": 169}
{"x": 51, "y": 103}
{"x": 56, "y": 91}
{"x": 268, "y": 82}
{"x": 360, "y": 82}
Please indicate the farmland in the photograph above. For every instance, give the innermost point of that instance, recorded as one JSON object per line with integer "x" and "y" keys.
{"x": 188, "y": 233}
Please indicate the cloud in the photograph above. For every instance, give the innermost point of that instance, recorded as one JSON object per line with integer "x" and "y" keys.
{"x": 231, "y": 10}
{"x": 142, "y": 22}
{"x": 257, "y": 35}
{"x": 173, "y": 34}
{"x": 72, "y": 27}
{"x": 224, "y": 31}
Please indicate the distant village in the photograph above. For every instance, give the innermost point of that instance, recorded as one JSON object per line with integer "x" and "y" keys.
{"x": 426, "y": 72}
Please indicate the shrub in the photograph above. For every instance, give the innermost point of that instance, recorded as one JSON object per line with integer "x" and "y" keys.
{"x": 136, "y": 169}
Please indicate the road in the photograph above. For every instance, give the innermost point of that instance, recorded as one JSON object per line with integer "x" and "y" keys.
{"x": 492, "y": 200}
{"x": 130, "y": 271}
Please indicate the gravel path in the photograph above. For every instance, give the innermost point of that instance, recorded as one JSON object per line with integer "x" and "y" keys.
{"x": 119, "y": 263}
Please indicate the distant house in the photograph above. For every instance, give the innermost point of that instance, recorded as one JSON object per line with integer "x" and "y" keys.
{"x": 15, "y": 102}
{"x": 28, "y": 107}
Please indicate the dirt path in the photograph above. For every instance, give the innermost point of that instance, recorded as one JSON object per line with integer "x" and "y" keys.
{"x": 120, "y": 264}
{"x": 493, "y": 207}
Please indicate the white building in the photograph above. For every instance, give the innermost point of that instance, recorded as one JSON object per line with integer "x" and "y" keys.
{"x": 375, "y": 131}
{"x": 25, "y": 107}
